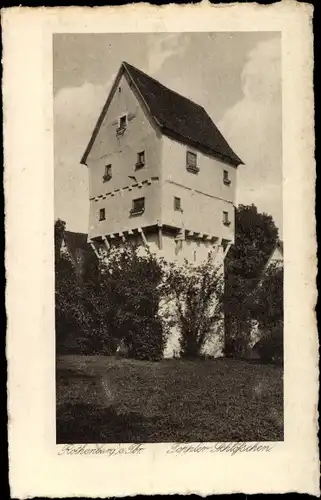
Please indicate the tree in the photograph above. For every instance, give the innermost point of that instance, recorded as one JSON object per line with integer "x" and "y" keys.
{"x": 270, "y": 345}
{"x": 125, "y": 303}
{"x": 267, "y": 299}
{"x": 255, "y": 239}
{"x": 113, "y": 300}
{"x": 75, "y": 328}
{"x": 197, "y": 293}
{"x": 72, "y": 320}
{"x": 59, "y": 230}
{"x": 267, "y": 308}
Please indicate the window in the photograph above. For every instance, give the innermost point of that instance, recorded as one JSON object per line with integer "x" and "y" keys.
{"x": 226, "y": 179}
{"x": 226, "y": 220}
{"x": 102, "y": 214}
{"x": 138, "y": 206}
{"x": 122, "y": 122}
{"x": 191, "y": 162}
{"x": 107, "y": 175}
{"x": 140, "y": 159}
{"x": 177, "y": 203}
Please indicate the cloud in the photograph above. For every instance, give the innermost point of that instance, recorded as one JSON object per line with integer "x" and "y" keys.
{"x": 165, "y": 46}
{"x": 253, "y": 127}
{"x": 75, "y": 113}
{"x": 258, "y": 79}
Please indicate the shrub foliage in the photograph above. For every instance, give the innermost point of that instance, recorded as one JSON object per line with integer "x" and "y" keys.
{"x": 197, "y": 293}
{"x": 267, "y": 309}
{"x": 130, "y": 291}
{"x": 255, "y": 239}
{"x": 115, "y": 302}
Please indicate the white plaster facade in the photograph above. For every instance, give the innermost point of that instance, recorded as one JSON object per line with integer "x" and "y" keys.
{"x": 205, "y": 220}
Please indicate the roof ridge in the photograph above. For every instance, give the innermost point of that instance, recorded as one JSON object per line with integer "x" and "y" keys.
{"x": 162, "y": 85}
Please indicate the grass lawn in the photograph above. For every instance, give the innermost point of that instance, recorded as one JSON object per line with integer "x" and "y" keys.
{"x": 103, "y": 399}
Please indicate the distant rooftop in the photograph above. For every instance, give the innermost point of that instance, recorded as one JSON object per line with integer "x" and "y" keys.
{"x": 76, "y": 241}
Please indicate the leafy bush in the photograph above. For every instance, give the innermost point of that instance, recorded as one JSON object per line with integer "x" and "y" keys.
{"x": 267, "y": 299}
{"x": 267, "y": 309}
{"x": 197, "y": 294}
{"x": 130, "y": 288}
{"x": 255, "y": 239}
{"x": 72, "y": 322}
{"x": 149, "y": 343}
{"x": 237, "y": 342}
{"x": 114, "y": 301}
{"x": 270, "y": 346}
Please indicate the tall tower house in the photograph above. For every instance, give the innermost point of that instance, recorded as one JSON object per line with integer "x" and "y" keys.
{"x": 160, "y": 172}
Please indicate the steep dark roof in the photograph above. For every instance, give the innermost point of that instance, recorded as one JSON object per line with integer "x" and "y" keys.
{"x": 181, "y": 116}
{"x": 177, "y": 117}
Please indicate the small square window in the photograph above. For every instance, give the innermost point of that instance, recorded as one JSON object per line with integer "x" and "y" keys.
{"x": 140, "y": 159}
{"x": 102, "y": 214}
{"x": 177, "y": 203}
{"x": 226, "y": 179}
{"x": 108, "y": 174}
{"x": 191, "y": 162}
{"x": 138, "y": 206}
{"x": 226, "y": 220}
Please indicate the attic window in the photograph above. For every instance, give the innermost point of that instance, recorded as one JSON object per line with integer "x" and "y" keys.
{"x": 226, "y": 179}
{"x": 140, "y": 159}
{"x": 191, "y": 162}
{"x": 123, "y": 122}
{"x": 226, "y": 220}
{"x": 102, "y": 214}
{"x": 108, "y": 173}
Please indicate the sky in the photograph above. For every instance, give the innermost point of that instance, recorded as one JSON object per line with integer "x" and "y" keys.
{"x": 235, "y": 76}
